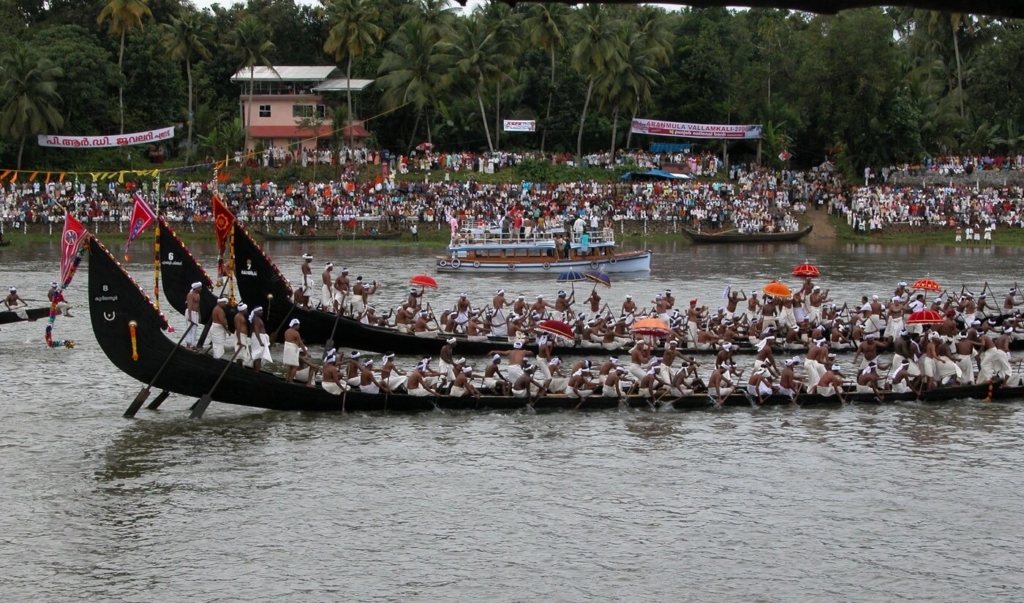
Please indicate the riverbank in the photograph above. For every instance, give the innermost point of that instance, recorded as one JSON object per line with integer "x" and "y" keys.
{"x": 922, "y": 235}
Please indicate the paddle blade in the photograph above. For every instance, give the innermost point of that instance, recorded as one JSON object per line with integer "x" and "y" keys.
{"x": 200, "y": 407}
{"x": 155, "y": 404}
{"x": 136, "y": 403}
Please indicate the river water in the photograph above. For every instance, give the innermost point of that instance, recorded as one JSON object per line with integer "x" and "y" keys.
{"x": 905, "y": 502}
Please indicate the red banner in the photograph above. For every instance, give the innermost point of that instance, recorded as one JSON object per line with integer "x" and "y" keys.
{"x": 70, "y": 242}
{"x": 142, "y": 217}
{"x": 223, "y": 220}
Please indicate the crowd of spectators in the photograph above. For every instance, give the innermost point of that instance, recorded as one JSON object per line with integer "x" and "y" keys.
{"x": 746, "y": 198}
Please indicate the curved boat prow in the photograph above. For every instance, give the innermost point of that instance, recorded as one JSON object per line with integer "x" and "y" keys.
{"x": 117, "y": 306}
{"x": 178, "y": 270}
{"x": 259, "y": 281}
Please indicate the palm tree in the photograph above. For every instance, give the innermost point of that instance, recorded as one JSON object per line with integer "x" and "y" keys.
{"x": 123, "y": 15}
{"x": 250, "y": 40}
{"x": 504, "y": 24}
{"x": 436, "y": 16}
{"x": 29, "y": 84}
{"x": 414, "y": 70}
{"x": 183, "y": 38}
{"x": 476, "y": 60}
{"x": 957, "y": 22}
{"x": 598, "y": 51}
{"x": 544, "y": 26}
{"x": 353, "y": 34}
{"x": 629, "y": 86}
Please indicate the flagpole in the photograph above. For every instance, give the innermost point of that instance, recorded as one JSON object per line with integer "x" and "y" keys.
{"x": 156, "y": 250}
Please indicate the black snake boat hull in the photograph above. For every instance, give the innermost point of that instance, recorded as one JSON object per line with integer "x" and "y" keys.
{"x": 736, "y": 237}
{"x": 10, "y": 316}
{"x": 130, "y": 331}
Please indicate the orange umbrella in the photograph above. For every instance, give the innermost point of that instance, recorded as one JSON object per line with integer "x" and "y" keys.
{"x": 650, "y": 326}
{"x": 927, "y": 284}
{"x": 806, "y": 271}
{"x": 925, "y": 317}
{"x": 777, "y": 289}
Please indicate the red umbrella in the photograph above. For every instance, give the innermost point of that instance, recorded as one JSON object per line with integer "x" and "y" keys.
{"x": 806, "y": 271}
{"x": 423, "y": 280}
{"x": 556, "y": 327}
{"x": 927, "y": 284}
{"x": 925, "y": 317}
{"x": 652, "y": 327}
{"x": 424, "y": 146}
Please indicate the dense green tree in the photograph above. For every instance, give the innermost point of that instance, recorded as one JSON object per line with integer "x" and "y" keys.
{"x": 250, "y": 42}
{"x": 598, "y": 51}
{"x": 90, "y": 77}
{"x": 123, "y": 15}
{"x": 546, "y": 25}
{"x": 353, "y": 34}
{"x": 28, "y": 83}
{"x": 413, "y": 70}
{"x": 185, "y": 38}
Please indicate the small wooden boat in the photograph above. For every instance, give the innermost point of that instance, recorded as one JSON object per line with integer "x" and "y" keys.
{"x": 129, "y": 330}
{"x": 490, "y": 249}
{"x": 369, "y": 236}
{"x": 23, "y": 314}
{"x": 734, "y": 236}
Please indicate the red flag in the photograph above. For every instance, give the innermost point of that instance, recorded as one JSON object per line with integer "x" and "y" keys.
{"x": 142, "y": 217}
{"x": 223, "y": 220}
{"x": 71, "y": 241}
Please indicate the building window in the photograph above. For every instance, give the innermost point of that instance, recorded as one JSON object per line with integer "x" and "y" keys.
{"x": 321, "y": 111}
{"x": 301, "y": 111}
{"x": 294, "y": 144}
{"x": 264, "y": 110}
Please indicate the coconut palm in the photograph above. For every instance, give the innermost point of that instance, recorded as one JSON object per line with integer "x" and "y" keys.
{"x": 123, "y": 15}
{"x": 186, "y": 37}
{"x": 436, "y": 16}
{"x": 353, "y": 34}
{"x": 598, "y": 51}
{"x": 545, "y": 26}
{"x": 476, "y": 60}
{"x": 29, "y": 83}
{"x": 958, "y": 22}
{"x": 629, "y": 85}
{"x": 413, "y": 70}
{"x": 250, "y": 40}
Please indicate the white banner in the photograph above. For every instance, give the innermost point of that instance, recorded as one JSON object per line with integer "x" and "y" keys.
{"x": 685, "y": 130}
{"x": 520, "y": 125}
{"x": 99, "y": 142}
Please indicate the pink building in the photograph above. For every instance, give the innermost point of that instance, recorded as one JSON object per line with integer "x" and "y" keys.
{"x": 288, "y": 108}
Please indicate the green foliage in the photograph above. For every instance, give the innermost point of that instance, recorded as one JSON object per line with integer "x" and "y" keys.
{"x": 881, "y": 86}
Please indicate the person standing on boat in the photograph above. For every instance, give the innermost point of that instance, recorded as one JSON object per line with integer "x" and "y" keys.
{"x": 294, "y": 350}
{"x": 563, "y": 306}
{"x": 540, "y": 306}
{"x": 259, "y": 341}
{"x": 219, "y": 329}
{"x": 341, "y": 291}
{"x": 578, "y": 228}
{"x": 595, "y": 303}
{"x": 192, "y": 315}
{"x": 326, "y": 292}
{"x": 241, "y": 324}
{"x": 446, "y": 360}
{"x": 499, "y": 324}
{"x": 56, "y": 296}
{"x": 516, "y": 360}
{"x": 361, "y": 294}
{"x": 519, "y": 306}
{"x": 307, "y": 279}
{"x": 462, "y": 308}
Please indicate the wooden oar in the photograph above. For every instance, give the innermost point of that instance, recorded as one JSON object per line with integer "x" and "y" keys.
{"x": 140, "y": 398}
{"x": 273, "y": 336}
{"x": 200, "y": 406}
{"x": 330, "y": 340}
